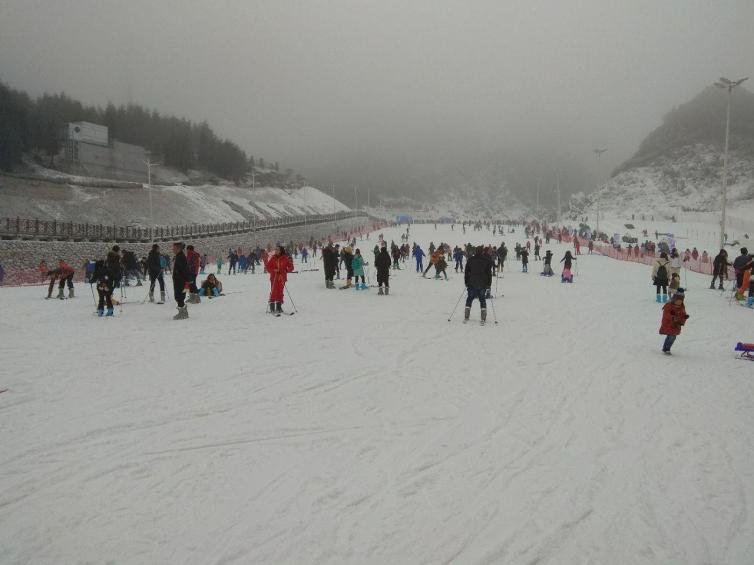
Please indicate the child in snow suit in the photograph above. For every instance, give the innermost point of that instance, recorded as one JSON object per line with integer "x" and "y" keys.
{"x": 524, "y": 259}
{"x": 567, "y": 261}
{"x": 357, "y": 264}
{"x": 547, "y": 270}
{"x": 673, "y": 318}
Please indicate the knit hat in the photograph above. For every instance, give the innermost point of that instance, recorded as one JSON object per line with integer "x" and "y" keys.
{"x": 680, "y": 293}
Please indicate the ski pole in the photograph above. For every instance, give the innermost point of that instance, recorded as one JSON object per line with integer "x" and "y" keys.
{"x": 91, "y": 287}
{"x": 456, "y": 306}
{"x": 288, "y": 292}
{"x": 494, "y": 314}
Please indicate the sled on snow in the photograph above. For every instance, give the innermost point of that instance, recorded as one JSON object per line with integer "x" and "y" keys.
{"x": 746, "y": 350}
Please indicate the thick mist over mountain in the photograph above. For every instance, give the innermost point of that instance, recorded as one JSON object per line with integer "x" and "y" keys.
{"x": 400, "y": 98}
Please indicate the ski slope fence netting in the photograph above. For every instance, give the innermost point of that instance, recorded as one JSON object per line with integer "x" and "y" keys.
{"x": 37, "y": 276}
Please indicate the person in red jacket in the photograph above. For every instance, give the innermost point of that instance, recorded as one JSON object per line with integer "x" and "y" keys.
{"x": 194, "y": 266}
{"x": 673, "y": 318}
{"x": 278, "y": 266}
{"x": 66, "y": 277}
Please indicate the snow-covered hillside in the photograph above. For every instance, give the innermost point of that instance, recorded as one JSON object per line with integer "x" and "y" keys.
{"x": 171, "y": 205}
{"x": 678, "y": 167}
{"x": 690, "y": 179}
{"x": 368, "y": 430}
{"x": 477, "y": 201}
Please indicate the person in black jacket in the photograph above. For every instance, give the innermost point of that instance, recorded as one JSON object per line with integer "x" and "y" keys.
{"x": 114, "y": 265}
{"x": 154, "y": 268}
{"x": 720, "y": 269}
{"x": 477, "y": 277}
{"x": 104, "y": 276}
{"x": 330, "y": 261}
{"x": 181, "y": 280}
{"x": 382, "y": 263}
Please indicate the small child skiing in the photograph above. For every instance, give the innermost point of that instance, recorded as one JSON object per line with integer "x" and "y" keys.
{"x": 674, "y": 316}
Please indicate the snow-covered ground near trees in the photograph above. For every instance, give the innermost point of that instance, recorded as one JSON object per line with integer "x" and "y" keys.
{"x": 368, "y": 429}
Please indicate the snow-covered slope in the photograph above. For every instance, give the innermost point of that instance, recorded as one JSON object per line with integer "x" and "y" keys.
{"x": 369, "y": 430}
{"x": 476, "y": 201}
{"x": 171, "y": 205}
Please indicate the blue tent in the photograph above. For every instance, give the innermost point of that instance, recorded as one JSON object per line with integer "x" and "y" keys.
{"x": 404, "y": 219}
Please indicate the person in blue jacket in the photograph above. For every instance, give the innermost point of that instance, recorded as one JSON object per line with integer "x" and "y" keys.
{"x": 458, "y": 256}
{"x": 419, "y": 256}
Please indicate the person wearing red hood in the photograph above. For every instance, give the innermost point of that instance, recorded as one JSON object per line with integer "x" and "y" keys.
{"x": 278, "y": 266}
{"x": 673, "y": 318}
{"x": 66, "y": 277}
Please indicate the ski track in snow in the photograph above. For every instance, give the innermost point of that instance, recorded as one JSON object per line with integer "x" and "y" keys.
{"x": 368, "y": 429}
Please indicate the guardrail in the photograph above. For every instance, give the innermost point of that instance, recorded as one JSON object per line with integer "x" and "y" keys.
{"x": 23, "y": 228}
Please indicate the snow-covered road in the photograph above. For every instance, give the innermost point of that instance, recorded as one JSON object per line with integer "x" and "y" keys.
{"x": 368, "y": 429}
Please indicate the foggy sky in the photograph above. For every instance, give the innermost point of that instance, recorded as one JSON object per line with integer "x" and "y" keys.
{"x": 379, "y": 92}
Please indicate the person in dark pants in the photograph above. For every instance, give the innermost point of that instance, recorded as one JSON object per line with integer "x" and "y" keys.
{"x": 382, "y": 264}
{"x": 330, "y": 260}
{"x": 720, "y": 269}
{"x": 477, "y": 277}
{"x": 193, "y": 260}
{"x": 103, "y": 276}
{"x": 154, "y": 268}
{"x": 181, "y": 280}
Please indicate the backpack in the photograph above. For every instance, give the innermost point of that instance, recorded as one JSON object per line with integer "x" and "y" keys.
{"x": 662, "y": 273}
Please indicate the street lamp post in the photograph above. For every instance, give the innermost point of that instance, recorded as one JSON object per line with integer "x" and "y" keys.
{"x": 557, "y": 189}
{"x": 150, "y": 164}
{"x": 728, "y": 85}
{"x": 598, "y": 153}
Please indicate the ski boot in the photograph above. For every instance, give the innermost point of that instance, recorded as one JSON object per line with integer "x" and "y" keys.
{"x": 484, "y": 317}
{"x": 750, "y": 302}
{"x": 110, "y": 312}
{"x": 380, "y": 292}
{"x": 387, "y": 290}
{"x": 151, "y": 296}
{"x": 70, "y": 292}
{"x": 100, "y": 312}
{"x": 60, "y": 294}
{"x": 659, "y": 299}
{"x": 162, "y": 297}
{"x": 182, "y": 313}
{"x": 664, "y": 298}
{"x": 278, "y": 308}
{"x": 466, "y": 314}
{"x": 712, "y": 285}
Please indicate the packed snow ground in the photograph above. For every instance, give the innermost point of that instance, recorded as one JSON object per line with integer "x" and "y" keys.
{"x": 368, "y": 429}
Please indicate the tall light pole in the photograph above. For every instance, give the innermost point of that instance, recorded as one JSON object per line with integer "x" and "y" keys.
{"x": 557, "y": 189}
{"x": 149, "y": 163}
{"x": 598, "y": 153}
{"x": 728, "y": 85}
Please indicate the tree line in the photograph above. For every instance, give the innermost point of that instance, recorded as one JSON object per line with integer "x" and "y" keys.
{"x": 34, "y": 125}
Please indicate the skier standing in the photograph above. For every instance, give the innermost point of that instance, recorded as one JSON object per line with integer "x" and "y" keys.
{"x": 524, "y": 260}
{"x": 330, "y": 262}
{"x": 477, "y": 277}
{"x": 278, "y": 266}
{"x": 103, "y": 276}
{"x": 382, "y": 263}
{"x": 154, "y": 268}
{"x": 567, "y": 261}
{"x": 66, "y": 278}
{"x": 181, "y": 280}
{"x": 419, "y": 256}
{"x": 720, "y": 268}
